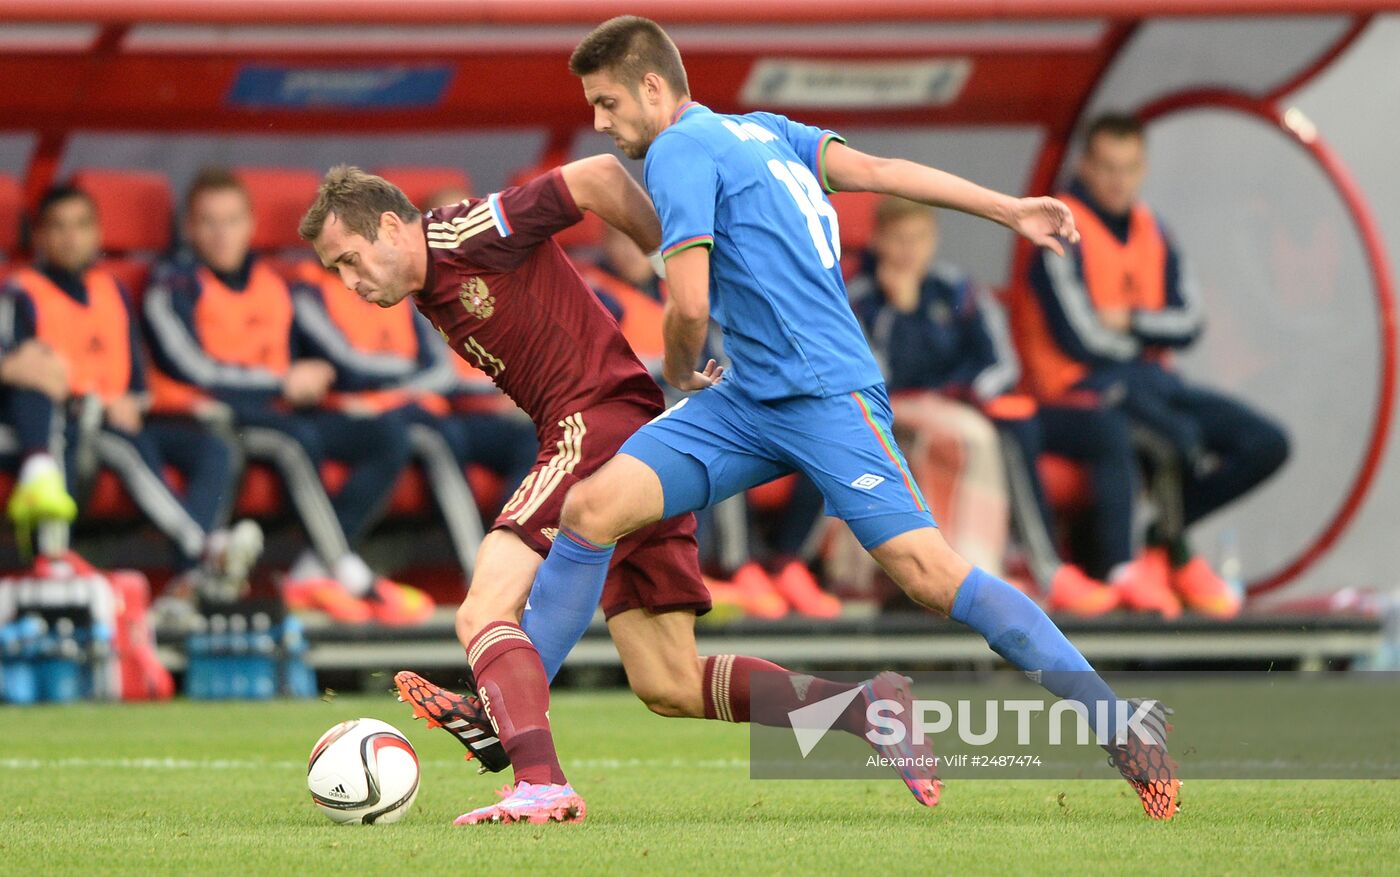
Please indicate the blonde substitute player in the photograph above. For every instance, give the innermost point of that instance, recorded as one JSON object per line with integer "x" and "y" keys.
{"x": 488, "y": 276}
{"x": 751, "y": 239}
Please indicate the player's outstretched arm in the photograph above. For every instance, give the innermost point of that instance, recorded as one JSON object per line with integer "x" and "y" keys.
{"x": 1041, "y": 220}
{"x": 601, "y": 184}
{"x": 686, "y": 320}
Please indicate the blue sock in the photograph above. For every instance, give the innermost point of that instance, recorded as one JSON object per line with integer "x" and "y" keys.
{"x": 1024, "y": 635}
{"x": 565, "y": 595}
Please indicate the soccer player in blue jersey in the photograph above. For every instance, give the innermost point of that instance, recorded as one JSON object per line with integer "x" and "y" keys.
{"x": 750, "y": 239}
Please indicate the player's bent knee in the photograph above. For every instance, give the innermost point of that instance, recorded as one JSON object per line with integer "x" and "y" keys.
{"x": 586, "y": 511}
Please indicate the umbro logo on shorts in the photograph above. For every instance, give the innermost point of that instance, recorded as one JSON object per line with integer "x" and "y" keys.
{"x": 868, "y": 481}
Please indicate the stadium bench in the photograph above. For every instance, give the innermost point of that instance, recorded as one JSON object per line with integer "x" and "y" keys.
{"x": 422, "y": 183}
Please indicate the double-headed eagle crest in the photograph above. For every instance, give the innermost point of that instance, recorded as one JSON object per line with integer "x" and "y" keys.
{"x": 477, "y": 299}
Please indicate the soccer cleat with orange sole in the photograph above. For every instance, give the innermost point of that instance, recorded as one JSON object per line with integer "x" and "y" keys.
{"x": 755, "y": 588}
{"x": 1073, "y": 592}
{"x": 1147, "y": 766}
{"x": 397, "y": 605}
{"x": 796, "y": 584}
{"x": 527, "y": 802}
{"x": 1146, "y": 586}
{"x": 1203, "y": 591}
{"x": 460, "y": 715}
{"x": 326, "y": 595}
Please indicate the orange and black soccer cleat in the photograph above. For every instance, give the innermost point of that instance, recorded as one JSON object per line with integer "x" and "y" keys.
{"x": 1147, "y": 766}
{"x": 459, "y": 715}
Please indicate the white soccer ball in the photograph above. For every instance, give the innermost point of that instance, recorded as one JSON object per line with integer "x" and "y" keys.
{"x": 363, "y": 771}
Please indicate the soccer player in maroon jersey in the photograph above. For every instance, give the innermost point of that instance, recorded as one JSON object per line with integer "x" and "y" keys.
{"x": 488, "y": 276}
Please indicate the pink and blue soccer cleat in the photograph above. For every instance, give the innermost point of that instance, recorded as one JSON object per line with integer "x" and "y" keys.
{"x": 915, "y": 763}
{"x": 536, "y": 804}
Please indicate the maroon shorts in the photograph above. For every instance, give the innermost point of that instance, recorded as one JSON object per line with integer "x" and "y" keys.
{"x": 656, "y": 568}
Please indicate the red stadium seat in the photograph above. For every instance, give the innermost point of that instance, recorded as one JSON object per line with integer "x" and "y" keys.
{"x": 1067, "y": 484}
{"x": 131, "y": 274}
{"x": 856, "y": 213}
{"x": 11, "y": 208}
{"x": 422, "y": 183}
{"x": 585, "y": 234}
{"x": 134, "y": 207}
{"x": 280, "y": 197}
{"x": 487, "y": 486}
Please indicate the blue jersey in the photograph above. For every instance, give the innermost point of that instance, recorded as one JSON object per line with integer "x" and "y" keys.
{"x": 752, "y": 189}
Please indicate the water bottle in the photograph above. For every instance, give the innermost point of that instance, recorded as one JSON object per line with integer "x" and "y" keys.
{"x": 298, "y": 678}
{"x": 263, "y": 658}
{"x": 219, "y": 682}
{"x": 101, "y": 684}
{"x": 197, "y": 660}
{"x": 61, "y": 664}
{"x": 241, "y": 682}
{"x": 40, "y": 650}
{"x": 7, "y": 659}
{"x": 1231, "y": 567}
{"x": 21, "y": 683}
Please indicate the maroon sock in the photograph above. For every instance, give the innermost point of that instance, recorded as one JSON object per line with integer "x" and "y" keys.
{"x": 515, "y": 694}
{"x": 726, "y": 690}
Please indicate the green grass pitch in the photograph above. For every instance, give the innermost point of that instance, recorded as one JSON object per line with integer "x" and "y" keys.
{"x": 187, "y": 788}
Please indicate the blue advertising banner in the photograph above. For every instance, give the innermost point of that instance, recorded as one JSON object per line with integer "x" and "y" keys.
{"x": 397, "y": 87}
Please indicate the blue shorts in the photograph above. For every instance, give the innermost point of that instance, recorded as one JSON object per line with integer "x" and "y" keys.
{"x": 720, "y": 442}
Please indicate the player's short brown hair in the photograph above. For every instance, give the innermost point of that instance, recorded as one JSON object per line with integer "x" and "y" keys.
{"x": 358, "y": 200}
{"x": 630, "y": 47}
{"x": 1117, "y": 125}
{"x": 892, "y": 209}
{"x": 214, "y": 178}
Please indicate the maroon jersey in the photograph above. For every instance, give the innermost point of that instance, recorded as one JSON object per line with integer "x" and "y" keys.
{"x": 508, "y": 301}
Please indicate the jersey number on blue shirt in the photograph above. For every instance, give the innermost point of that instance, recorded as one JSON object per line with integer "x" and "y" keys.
{"x": 802, "y": 184}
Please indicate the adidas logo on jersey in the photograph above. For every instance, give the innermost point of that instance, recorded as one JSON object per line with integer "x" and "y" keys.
{"x": 868, "y": 481}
